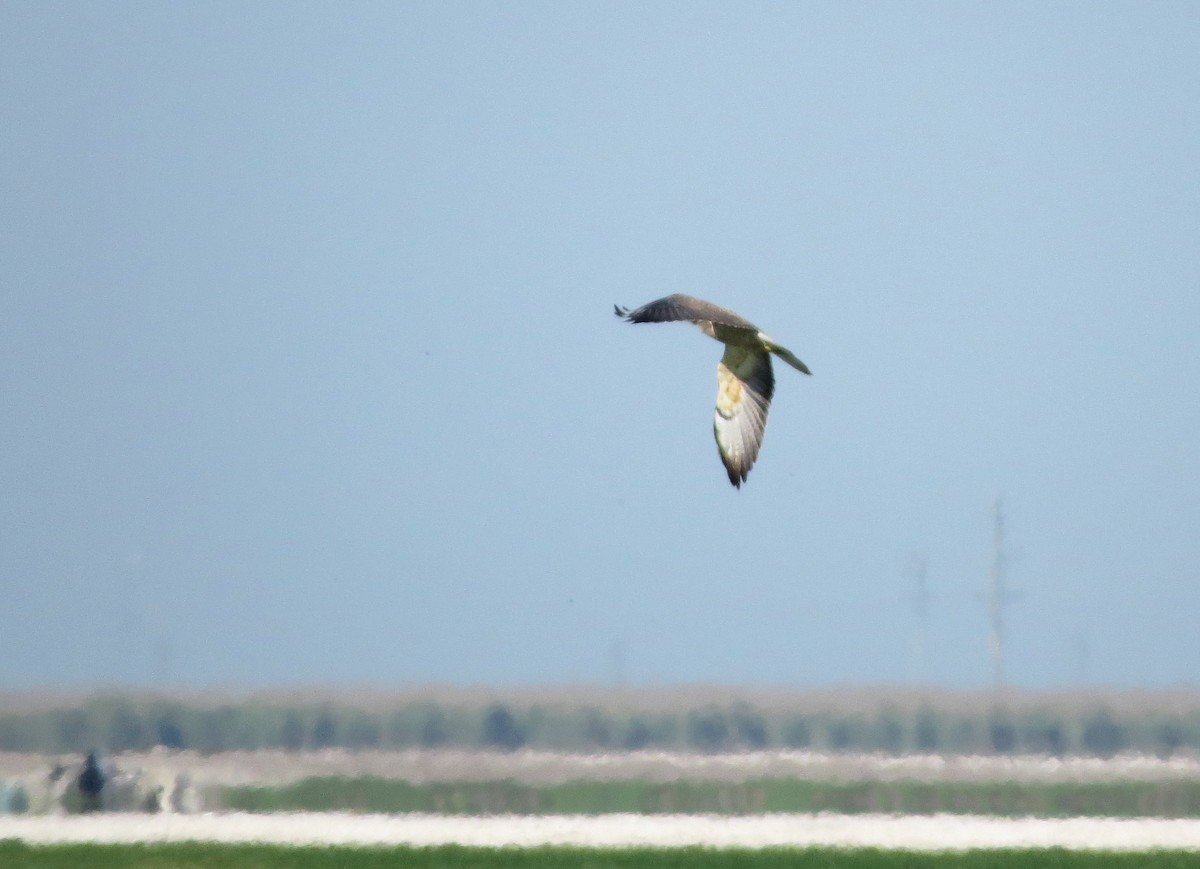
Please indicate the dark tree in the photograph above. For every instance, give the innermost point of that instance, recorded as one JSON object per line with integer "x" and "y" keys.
{"x": 433, "y": 729}
{"x": 168, "y": 734}
{"x": 363, "y": 731}
{"x": 291, "y": 737}
{"x": 1045, "y": 737}
{"x": 843, "y": 735}
{"x": 889, "y": 735}
{"x": 596, "y": 729}
{"x": 1002, "y": 736}
{"x": 500, "y": 729}
{"x": 926, "y": 734}
{"x": 324, "y": 732}
{"x": 798, "y": 733}
{"x": 708, "y": 731}
{"x": 1168, "y": 738}
{"x": 215, "y": 729}
{"x": 749, "y": 728}
{"x": 1102, "y": 736}
{"x": 1056, "y": 742}
{"x": 638, "y": 735}
{"x": 72, "y": 726}
{"x": 91, "y": 784}
{"x": 126, "y": 731}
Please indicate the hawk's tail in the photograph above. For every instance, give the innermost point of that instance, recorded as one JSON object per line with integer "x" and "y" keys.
{"x": 785, "y": 354}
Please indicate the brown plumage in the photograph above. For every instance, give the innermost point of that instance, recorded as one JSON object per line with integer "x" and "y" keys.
{"x": 745, "y": 380}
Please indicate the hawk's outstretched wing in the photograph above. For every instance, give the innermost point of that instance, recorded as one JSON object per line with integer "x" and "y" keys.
{"x": 681, "y": 307}
{"x": 745, "y": 384}
{"x": 745, "y": 380}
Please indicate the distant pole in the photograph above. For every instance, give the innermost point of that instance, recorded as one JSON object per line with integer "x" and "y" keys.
{"x": 998, "y": 596}
{"x": 920, "y": 604}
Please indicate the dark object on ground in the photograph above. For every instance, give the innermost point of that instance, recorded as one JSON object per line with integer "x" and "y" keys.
{"x": 91, "y": 783}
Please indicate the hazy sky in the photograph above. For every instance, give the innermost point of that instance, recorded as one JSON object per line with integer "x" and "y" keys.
{"x": 309, "y": 372}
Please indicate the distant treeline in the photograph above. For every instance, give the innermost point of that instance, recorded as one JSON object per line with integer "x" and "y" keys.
{"x": 115, "y": 721}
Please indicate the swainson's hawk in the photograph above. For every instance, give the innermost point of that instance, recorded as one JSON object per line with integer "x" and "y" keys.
{"x": 745, "y": 381}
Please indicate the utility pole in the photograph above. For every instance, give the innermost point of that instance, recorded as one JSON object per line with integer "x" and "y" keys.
{"x": 998, "y": 597}
{"x": 920, "y": 604}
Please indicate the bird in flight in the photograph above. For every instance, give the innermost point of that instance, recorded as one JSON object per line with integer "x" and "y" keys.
{"x": 745, "y": 381}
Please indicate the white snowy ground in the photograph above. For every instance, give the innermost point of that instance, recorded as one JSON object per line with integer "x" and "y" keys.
{"x": 918, "y": 833}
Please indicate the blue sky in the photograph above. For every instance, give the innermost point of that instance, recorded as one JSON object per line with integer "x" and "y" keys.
{"x": 308, "y": 369}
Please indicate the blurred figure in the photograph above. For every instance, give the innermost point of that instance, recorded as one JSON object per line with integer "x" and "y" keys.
{"x": 91, "y": 783}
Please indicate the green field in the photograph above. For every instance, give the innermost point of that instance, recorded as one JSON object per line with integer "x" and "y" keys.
{"x": 1120, "y": 799}
{"x": 15, "y": 855}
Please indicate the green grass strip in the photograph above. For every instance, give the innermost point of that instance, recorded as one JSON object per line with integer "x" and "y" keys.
{"x": 1006, "y": 799}
{"x": 194, "y": 855}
